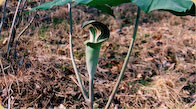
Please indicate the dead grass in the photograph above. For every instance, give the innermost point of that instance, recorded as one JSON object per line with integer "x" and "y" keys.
{"x": 161, "y": 73}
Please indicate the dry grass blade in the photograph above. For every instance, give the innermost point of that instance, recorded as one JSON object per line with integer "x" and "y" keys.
{"x": 6, "y": 82}
{"x": 26, "y": 27}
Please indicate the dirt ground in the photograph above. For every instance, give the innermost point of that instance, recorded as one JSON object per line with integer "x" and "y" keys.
{"x": 161, "y": 73}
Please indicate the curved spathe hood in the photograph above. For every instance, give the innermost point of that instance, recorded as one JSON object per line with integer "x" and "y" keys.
{"x": 98, "y": 32}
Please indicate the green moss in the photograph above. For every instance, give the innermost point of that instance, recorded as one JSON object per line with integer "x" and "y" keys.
{"x": 146, "y": 35}
{"x": 57, "y": 21}
{"x": 2, "y": 37}
{"x": 42, "y": 31}
{"x": 46, "y": 47}
{"x": 144, "y": 82}
{"x": 79, "y": 54}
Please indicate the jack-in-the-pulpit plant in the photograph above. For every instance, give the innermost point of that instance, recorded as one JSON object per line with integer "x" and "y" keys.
{"x": 99, "y": 33}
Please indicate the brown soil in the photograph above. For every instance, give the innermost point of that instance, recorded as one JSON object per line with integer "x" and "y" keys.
{"x": 161, "y": 73}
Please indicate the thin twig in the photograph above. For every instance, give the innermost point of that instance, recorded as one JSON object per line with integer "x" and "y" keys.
{"x": 72, "y": 57}
{"x": 26, "y": 27}
{"x": 74, "y": 80}
{"x": 125, "y": 62}
{"x": 9, "y": 98}
{"x": 8, "y": 91}
{"x": 11, "y": 35}
{"x": 13, "y": 76}
{"x": 29, "y": 104}
{"x": 3, "y": 15}
{"x": 17, "y": 24}
{"x": 20, "y": 14}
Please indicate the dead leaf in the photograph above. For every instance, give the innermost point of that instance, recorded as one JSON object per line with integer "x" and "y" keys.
{"x": 5, "y": 41}
{"x": 149, "y": 59}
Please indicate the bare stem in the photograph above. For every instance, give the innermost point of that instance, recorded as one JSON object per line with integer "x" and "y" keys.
{"x": 91, "y": 93}
{"x": 11, "y": 33}
{"x": 72, "y": 57}
{"x": 125, "y": 62}
{"x": 3, "y": 14}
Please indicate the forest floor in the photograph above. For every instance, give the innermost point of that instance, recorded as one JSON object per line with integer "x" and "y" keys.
{"x": 161, "y": 73}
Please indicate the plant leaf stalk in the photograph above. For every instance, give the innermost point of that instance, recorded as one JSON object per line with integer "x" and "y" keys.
{"x": 3, "y": 14}
{"x": 125, "y": 62}
{"x": 84, "y": 93}
{"x": 12, "y": 30}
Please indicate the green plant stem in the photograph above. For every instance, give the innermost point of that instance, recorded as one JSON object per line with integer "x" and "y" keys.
{"x": 92, "y": 55}
{"x": 72, "y": 57}
{"x": 125, "y": 62}
{"x": 91, "y": 93}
